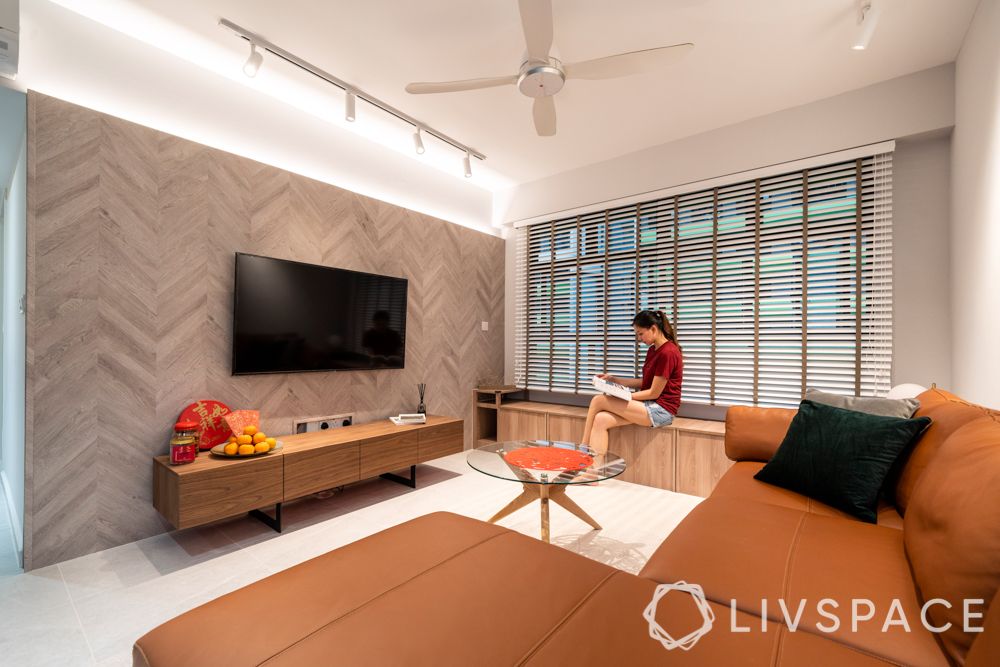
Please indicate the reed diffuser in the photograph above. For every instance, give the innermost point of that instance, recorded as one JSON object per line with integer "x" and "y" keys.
{"x": 422, "y": 409}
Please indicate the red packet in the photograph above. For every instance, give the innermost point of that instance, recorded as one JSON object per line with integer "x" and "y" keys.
{"x": 210, "y": 416}
{"x": 239, "y": 419}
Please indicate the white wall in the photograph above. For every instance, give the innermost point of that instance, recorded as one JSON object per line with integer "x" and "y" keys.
{"x": 921, "y": 312}
{"x": 12, "y": 367}
{"x": 975, "y": 237}
{"x": 920, "y": 102}
{"x": 922, "y": 336}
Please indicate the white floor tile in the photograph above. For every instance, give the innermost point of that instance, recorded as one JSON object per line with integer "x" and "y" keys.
{"x": 96, "y": 606}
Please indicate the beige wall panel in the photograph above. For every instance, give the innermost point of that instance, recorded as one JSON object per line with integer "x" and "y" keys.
{"x": 131, "y": 238}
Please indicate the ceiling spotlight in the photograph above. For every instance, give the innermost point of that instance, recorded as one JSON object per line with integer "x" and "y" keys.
{"x": 868, "y": 13}
{"x": 418, "y": 142}
{"x": 467, "y": 164}
{"x": 253, "y": 62}
{"x": 349, "y": 104}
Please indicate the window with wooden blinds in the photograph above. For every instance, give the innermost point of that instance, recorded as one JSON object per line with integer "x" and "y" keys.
{"x": 773, "y": 285}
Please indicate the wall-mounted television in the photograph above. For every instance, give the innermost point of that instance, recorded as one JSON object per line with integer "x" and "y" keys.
{"x": 290, "y": 317}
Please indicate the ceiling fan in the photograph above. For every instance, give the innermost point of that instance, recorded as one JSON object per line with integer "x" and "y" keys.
{"x": 541, "y": 76}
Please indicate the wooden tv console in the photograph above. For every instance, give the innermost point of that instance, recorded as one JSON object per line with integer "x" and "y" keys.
{"x": 215, "y": 488}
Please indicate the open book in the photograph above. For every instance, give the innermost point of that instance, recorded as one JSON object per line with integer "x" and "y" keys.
{"x": 612, "y": 388}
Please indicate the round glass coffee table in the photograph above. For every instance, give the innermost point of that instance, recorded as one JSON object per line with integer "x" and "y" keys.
{"x": 545, "y": 468}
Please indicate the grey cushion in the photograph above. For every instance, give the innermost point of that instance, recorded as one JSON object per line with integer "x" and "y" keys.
{"x": 901, "y": 408}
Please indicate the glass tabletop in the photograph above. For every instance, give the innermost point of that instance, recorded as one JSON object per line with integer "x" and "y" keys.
{"x": 545, "y": 462}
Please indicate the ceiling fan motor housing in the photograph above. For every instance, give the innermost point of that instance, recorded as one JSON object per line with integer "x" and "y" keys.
{"x": 541, "y": 79}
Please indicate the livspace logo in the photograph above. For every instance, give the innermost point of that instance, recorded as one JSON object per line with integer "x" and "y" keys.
{"x": 690, "y": 639}
{"x": 860, "y": 612}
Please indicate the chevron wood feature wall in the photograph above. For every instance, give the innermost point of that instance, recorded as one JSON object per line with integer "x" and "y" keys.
{"x": 131, "y": 238}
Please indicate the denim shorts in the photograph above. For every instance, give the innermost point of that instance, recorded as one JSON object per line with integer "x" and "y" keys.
{"x": 658, "y": 415}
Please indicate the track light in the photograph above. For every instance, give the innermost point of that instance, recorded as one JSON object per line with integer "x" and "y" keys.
{"x": 349, "y": 105}
{"x": 868, "y": 13}
{"x": 253, "y": 62}
{"x": 259, "y": 44}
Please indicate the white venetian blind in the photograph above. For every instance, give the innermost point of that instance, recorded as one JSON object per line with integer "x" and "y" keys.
{"x": 773, "y": 285}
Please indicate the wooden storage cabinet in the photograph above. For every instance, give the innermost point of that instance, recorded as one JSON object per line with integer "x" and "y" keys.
{"x": 311, "y": 470}
{"x": 214, "y": 488}
{"x": 701, "y": 463}
{"x": 565, "y": 428}
{"x": 485, "y": 414}
{"x": 521, "y": 425}
{"x": 648, "y": 454}
{"x": 392, "y": 452}
{"x": 442, "y": 440}
{"x": 204, "y": 491}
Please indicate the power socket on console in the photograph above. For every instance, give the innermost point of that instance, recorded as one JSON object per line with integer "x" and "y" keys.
{"x": 312, "y": 424}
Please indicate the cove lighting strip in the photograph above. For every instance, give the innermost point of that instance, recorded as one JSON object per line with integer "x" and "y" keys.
{"x": 352, "y": 92}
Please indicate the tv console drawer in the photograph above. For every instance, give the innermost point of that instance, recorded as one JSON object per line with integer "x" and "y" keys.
{"x": 208, "y": 489}
{"x": 387, "y": 453}
{"x": 441, "y": 440}
{"x": 312, "y": 470}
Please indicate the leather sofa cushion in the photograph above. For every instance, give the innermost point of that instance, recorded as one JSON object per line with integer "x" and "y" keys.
{"x": 753, "y": 434}
{"x": 609, "y": 629}
{"x": 947, "y": 412}
{"x": 615, "y": 634}
{"x": 738, "y": 482}
{"x": 746, "y": 551}
{"x": 985, "y": 651}
{"x": 952, "y": 527}
{"x": 440, "y": 585}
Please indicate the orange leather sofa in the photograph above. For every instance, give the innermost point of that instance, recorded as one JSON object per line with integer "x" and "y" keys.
{"x": 449, "y": 590}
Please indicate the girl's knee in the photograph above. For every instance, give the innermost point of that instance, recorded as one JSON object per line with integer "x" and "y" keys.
{"x": 604, "y": 420}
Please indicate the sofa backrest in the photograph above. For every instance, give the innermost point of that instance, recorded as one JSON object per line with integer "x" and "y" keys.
{"x": 948, "y": 412}
{"x": 951, "y": 529}
{"x": 753, "y": 434}
{"x": 985, "y": 651}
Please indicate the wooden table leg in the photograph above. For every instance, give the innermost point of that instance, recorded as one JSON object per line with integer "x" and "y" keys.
{"x": 543, "y": 493}
{"x": 544, "y": 496}
{"x": 558, "y": 495}
{"x": 528, "y": 496}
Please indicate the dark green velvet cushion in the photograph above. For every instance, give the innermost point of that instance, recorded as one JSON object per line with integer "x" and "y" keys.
{"x": 840, "y": 457}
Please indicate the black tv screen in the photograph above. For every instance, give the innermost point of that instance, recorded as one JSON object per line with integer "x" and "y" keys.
{"x": 290, "y": 317}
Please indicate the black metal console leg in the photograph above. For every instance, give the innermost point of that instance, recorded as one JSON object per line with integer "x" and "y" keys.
{"x": 412, "y": 482}
{"x": 272, "y": 523}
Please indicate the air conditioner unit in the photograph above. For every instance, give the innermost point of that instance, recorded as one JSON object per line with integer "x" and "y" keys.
{"x": 9, "y": 27}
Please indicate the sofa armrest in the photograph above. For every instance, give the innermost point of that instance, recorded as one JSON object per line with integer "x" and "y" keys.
{"x": 753, "y": 434}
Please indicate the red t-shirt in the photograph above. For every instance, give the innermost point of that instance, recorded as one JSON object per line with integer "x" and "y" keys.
{"x": 665, "y": 362}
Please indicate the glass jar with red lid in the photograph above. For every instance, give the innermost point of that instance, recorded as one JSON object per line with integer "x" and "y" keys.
{"x": 184, "y": 443}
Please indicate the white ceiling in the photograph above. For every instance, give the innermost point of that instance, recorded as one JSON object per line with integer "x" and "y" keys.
{"x": 751, "y": 58}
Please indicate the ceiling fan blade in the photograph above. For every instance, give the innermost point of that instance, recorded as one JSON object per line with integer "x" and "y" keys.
{"x": 536, "y": 20}
{"x": 544, "y": 112}
{"x": 626, "y": 64}
{"x": 457, "y": 86}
